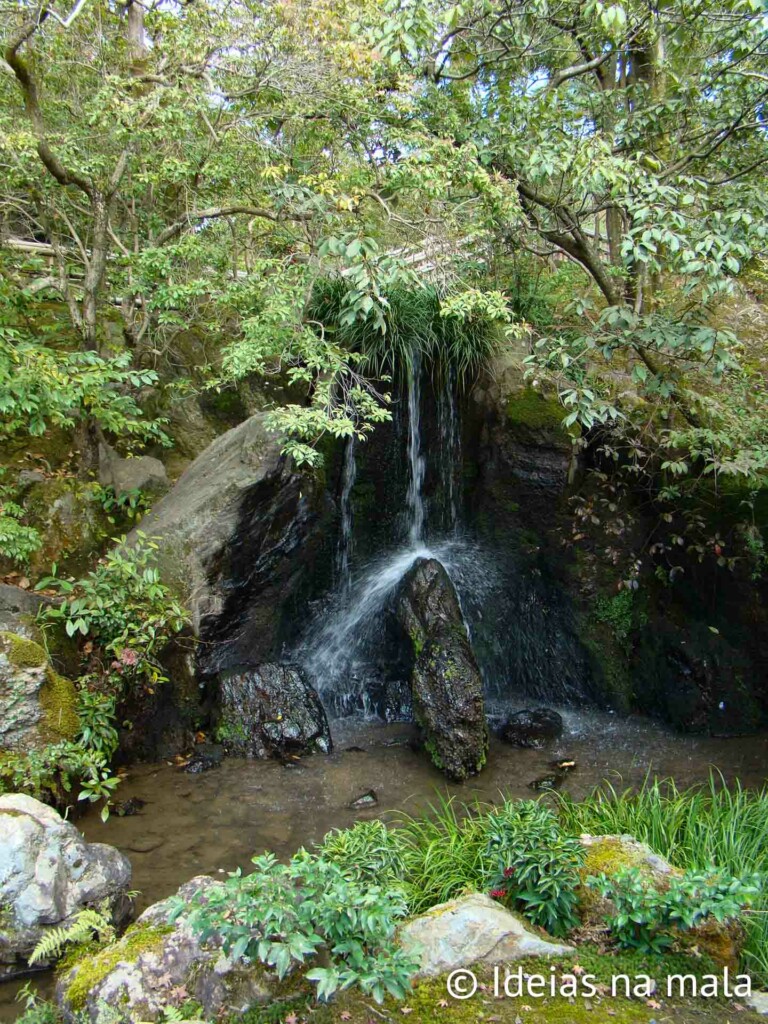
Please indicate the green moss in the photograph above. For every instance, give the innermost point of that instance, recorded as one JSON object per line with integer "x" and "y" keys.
{"x": 92, "y": 969}
{"x": 23, "y": 653}
{"x": 58, "y": 699}
{"x": 531, "y": 410}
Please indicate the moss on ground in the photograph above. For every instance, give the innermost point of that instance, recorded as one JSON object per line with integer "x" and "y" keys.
{"x": 429, "y": 1003}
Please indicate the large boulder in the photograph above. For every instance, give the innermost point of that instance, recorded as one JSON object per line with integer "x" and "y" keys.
{"x": 532, "y": 728}
{"x": 38, "y": 706}
{"x": 472, "y": 930}
{"x": 270, "y": 711}
{"x": 238, "y": 535}
{"x": 48, "y": 873}
{"x": 446, "y": 683}
{"x": 156, "y": 966}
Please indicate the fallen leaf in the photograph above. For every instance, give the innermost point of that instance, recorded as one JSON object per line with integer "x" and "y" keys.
{"x": 406, "y": 1010}
{"x": 443, "y": 1003}
{"x": 293, "y": 1019}
{"x": 345, "y": 1015}
{"x": 653, "y": 1003}
{"x": 577, "y": 969}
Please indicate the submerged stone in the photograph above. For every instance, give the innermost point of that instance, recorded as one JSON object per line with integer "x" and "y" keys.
{"x": 532, "y": 728}
{"x": 367, "y": 799}
{"x": 271, "y": 711}
{"x": 446, "y": 683}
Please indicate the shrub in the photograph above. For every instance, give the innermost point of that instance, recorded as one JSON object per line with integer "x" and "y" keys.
{"x": 536, "y": 864}
{"x": 367, "y": 852}
{"x": 283, "y": 914}
{"x": 646, "y": 918}
{"x": 124, "y": 608}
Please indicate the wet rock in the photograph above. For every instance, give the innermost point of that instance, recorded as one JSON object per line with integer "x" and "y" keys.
{"x": 472, "y": 930}
{"x": 237, "y": 536}
{"x": 365, "y": 800}
{"x": 143, "y": 473}
{"x": 48, "y": 873}
{"x": 547, "y": 782}
{"x": 445, "y": 682}
{"x": 205, "y": 757}
{"x": 156, "y": 966}
{"x": 532, "y": 728}
{"x": 271, "y": 711}
{"x": 127, "y": 808}
{"x": 18, "y": 609}
{"x": 354, "y": 750}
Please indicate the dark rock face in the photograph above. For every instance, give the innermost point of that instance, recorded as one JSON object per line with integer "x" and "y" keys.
{"x": 532, "y": 728}
{"x": 271, "y": 711}
{"x": 446, "y": 682}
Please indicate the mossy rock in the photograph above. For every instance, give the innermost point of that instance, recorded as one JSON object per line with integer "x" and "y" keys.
{"x": 536, "y": 418}
{"x": 38, "y": 706}
{"x": 72, "y": 523}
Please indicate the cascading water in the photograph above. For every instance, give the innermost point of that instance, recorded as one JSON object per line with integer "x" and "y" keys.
{"x": 348, "y": 477}
{"x": 342, "y": 650}
{"x": 416, "y": 460}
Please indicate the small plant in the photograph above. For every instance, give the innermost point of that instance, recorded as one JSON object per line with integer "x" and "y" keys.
{"x": 87, "y": 924}
{"x": 537, "y": 865}
{"x": 37, "y": 1010}
{"x": 96, "y": 711}
{"x": 366, "y": 852}
{"x": 646, "y": 918}
{"x": 17, "y": 541}
{"x": 124, "y": 608}
{"x": 283, "y": 914}
{"x": 123, "y": 505}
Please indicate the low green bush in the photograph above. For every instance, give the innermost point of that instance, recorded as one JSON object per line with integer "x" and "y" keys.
{"x": 285, "y": 914}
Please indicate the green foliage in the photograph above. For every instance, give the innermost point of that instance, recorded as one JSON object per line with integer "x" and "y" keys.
{"x": 49, "y": 773}
{"x": 455, "y": 332}
{"x": 96, "y": 712}
{"x": 620, "y": 613}
{"x": 17, "y": 540}
{"x": 647, "y": 917}
{"x": 37, "y": 1010}
{"x": 693, "y": 829}
{"x": 284, "y": 914}
{"x": 127, "y": 505}
{"x": 367, "y": 852}
{"x": 536, "y": 864}
{"x": 87, "y": 923}
{"x": 43, "y": 386}
{"x": 123, "y": 607}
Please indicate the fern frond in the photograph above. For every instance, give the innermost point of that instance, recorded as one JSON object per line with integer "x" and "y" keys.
{"x": 88, "y": 921}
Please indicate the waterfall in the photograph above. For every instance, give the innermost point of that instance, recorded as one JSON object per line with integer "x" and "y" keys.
{"x": 450, "y": 447}
{"x": 416, "y": 460}
{"x": 344, "y": 646}
{"x": 348, "y": 477}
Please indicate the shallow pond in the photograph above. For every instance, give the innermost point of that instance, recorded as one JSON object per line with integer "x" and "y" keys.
{"x": 215, "y": 821}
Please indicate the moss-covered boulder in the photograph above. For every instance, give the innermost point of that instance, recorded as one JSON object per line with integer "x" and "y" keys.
{"x": 72, "y": 522}
{"x": 38, "y": 706}
{"x": 156, "y": 967}
{"x": 610, "y": 854}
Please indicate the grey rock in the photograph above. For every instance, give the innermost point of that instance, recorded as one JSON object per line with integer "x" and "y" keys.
{"x": 532, "y": 728}
{"x": 27, "y": 477}
{"x": 143, "y": 473}
{"x": 271, "y": 711}
{"x": 173, "y": 960}
{"x": 235, "y": 534}
{"x": 758, "y": 1001}
{"x": 446, "y": 683}
{"x": 48, "y": 873}
{"x": 18, "y": 609}
{"x": 471, "y": 930}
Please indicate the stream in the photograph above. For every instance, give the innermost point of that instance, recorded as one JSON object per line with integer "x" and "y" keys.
{"x": 216, "y": 821}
